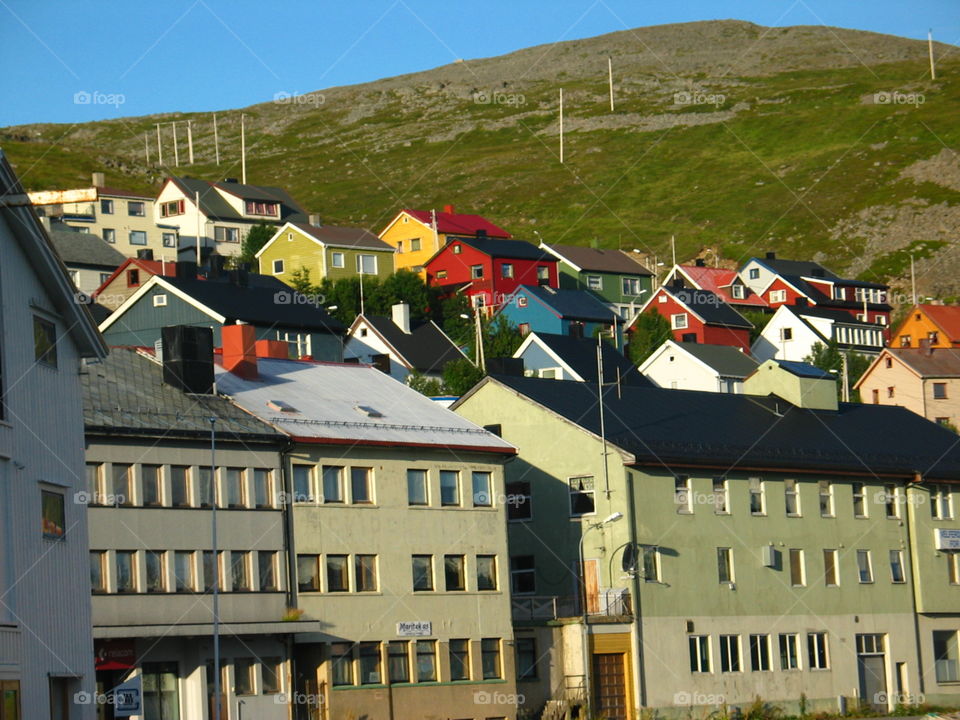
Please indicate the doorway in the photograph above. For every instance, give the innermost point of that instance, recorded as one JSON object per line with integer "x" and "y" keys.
{"x": 609, "y": 686}
{"x": 872, "y": 670}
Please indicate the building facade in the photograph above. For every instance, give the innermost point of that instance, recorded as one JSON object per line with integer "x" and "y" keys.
{"x": 936, "y": 326}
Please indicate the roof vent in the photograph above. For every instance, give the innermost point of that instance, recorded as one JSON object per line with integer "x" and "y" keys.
{"x": 700, "y": 262}
{"x": 230, "y": 180}
{"x": 771, "y": 256}
{"x": 368, "y": 411}
{"x": 281, "y": 406}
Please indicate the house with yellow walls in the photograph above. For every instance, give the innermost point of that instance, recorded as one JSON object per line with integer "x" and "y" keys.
{"x": 417, "y": 235}
{"x": 930, "y": 326}
{"x": 326, "y": 251}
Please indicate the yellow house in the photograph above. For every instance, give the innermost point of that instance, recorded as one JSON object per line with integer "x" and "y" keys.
{"x": 326, "y": 251}
{"x": 417, "y": 235}
{"x": 935, "y": 326}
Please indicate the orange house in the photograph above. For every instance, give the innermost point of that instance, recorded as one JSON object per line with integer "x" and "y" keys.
{"x": 935, "y": 326}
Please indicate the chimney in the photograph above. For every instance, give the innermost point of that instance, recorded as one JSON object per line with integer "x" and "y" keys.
{"x": 217, "y": 263}
{"x": 145, "y": 254}
{"x": 448, "y": 209}
{"x": 700, "y": 262}
{"x": 98, "y": 179}
{"x": 771, "y": 256}
{"x": 800, "y": 302}
{"x": 315, "y": 219}
{"x": 186, "y": 270}
{"x": 677, "y": 283}
{"x": 401, "y": 316}
{"x": 232, "y": 181}
{"x": 481, "y": 233}
{"x": 187, "y": 353}
{"x": 240, "y": 350}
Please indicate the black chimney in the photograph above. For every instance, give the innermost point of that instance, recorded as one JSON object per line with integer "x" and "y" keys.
{"x": 481, "y": 233}
{"x": 188, "y": 358}
{"x": 145, "y": 254}
{"x": 699, "y": 262}
{"x": 771, "y": 256}
{"x": 186, "y": 270}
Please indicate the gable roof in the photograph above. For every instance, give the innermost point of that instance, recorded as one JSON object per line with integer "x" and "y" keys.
{"x": 932, "y": 362}
{"x": 580, "y": 356}
{"x": 798, "y": 268}
{"x": 676, "y": 428}
{"x": 945, "y": 317}
{"x": 215, "y": 206}
{"x": 19, "y": 216}
{"x": 723, "y": 359}
{"x": 708, "y": 306}
{"x": 456, "y": 223}
{"x": 350, "y": 404}
{"x": 77, "y": 248}
{"x": 153, "y": 267}
{"x": 719, "y": 281}
{"x": 330, "y": 235}
{"x": 426, "y": 349}
{"x": 105, "y": 191}
{"x": 125, "y": 394}
{"x": 571, "y": 304}
{"x": 588, "y": 258}
{"x": 496, "y": 247}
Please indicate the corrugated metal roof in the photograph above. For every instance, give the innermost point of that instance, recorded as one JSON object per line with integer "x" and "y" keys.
{"x": 331, "y": 402}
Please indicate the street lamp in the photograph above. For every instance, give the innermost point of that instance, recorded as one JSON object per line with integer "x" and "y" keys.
{"x": 479, "y": 359}
{"x": 588, "y": 696}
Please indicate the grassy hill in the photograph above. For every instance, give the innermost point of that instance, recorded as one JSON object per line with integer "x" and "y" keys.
{"x": 816, "y": 142}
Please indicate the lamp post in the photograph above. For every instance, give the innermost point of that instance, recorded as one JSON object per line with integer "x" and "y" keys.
{"x": 588, "y": 695}
{"x": 479, "y": 357}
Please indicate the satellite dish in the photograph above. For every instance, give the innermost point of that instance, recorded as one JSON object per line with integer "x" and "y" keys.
{"x": 629, "y": 561}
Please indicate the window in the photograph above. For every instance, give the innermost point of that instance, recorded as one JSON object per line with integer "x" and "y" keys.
{"x": 581, "y": 496}
{"x": 243, "y": 676}
{"x": 226, "y": 234}
{"x": 699, "y": 653}
{"x": 262, "y": 488}
{"x": 44, "y": 341}
{"x": 905, "y": 341}
{"x": 631, "y": 286}
{"x": 337, "y": 573}
{"x": 786, "y": 334}
{"x": 109, "y": 235}
{"x": 136, "y": 208}
{"x": 426, "y": 660}
{"x": 302, "y": 483}
{"x": 272, "y": 675}
{"x": 724, "y": 565}
{"x": 398, "y": 661}
{"x": 720, "y": 500}
{"x": 212, "y": 571}
{"x": 797, "y": 569}
{"x": 459, "y": 659}
{"x": 946, "y": 656}
{"x": 817, "y": 651}
{"x": 120, "y": 487}
{"x": 360, "y": 485}
{"x": 830, "y": 568}
{"x": 159, "y": 300}
{"x": 169, "y": 239}
{"x": 543, "y": 273}
{"x": 258, "y": 207}
{"x": 519, "y": 501}
{"x": 367, "y": 264}
{"x": 234, "y": 488}
{"x": 486, "y": 572}
{"x": 205, "y": 486}
{"x": 449, "y": 487}
{"x": 240, "y": 570}
{"x": 789, "y": 651}
{"x": 179, "y": 486}
{"x": 939, "y": 391}
{"x": 53, "y": 517}
{"x": 859, "y": 500}
{"x": 896, "y": 566}
{"x": 864, "y": 568}
{"x": 441, "y": 274}
{"x": 453, "y": 573}
{"x": 754, "y": 274}
{"x": 417, "y": 487}
{"x": 171, "y": 208}
{"x": 595, "y": 282}
{"x": 890, "y": 392}
{"x": 156, "y": 571}
{"x": 953, "y": 567}
{"x": 308, "y": 573}
{"x": 422, "y": 572}
{"x": 278, "y": 267}
{"x": 678, "y": 321}
{"x": 106, "y": 206}
{"x": 777, "y": 296}
{"x": 126, "y": 571}
{"x": 729, "y": 653}
{"x": 482, "y": 493}
{"x": 682, "y": 497}
{"x": 332, "y": 484}
{"x": 506, "y": 270}
{"x": 940, "y": 502}
{"x": 490, "y": 658}
{"x": 414, "y": 244}
{"x": 267, "y": 566}
{"x": 523, "y": 575}
{"x": 183, "y": 571}
{"x": 892, "y": 500}
{"x": 476, "y": 272}
{"x": 337, "y": 259}
{"x": 342, "y": 656}
{"x": 791, "y": 498}
{"x": 825, "y": 493}
{"x": 526, "y": 660}
{"x": 651, "y": 563}
{"x": 760, "y": 653}
{"x": 737, "y": 292}
{"x": 757, "y": 499}
{"x": 94, "y": 483}
{"x": 138, "y": 237}
{"x": 365, "y": 571}
{"x": 370, "y": 663}
{"x": 98, "y": 571}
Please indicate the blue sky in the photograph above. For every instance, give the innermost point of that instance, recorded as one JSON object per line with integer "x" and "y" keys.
{"x": 199, "y": 55}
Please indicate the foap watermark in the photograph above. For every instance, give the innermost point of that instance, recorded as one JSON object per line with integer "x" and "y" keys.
{"x": 289, "y": 297}
{"x": 895, "y": 97}
{"x": 685, "y": 697}
{"x": 885, "y": 698}
{"x": 85, "y": 97}
{"x": 83, "y": 497}
{"x": 498, "y": 97}
{"x": 698, "y": 97}
{"x": 96, "y": 698}
{"x": 298, "y": 698}
{"x": 885, "y": 497}
{"x": 304, "y": 99}
{"x": 483, "y": 697}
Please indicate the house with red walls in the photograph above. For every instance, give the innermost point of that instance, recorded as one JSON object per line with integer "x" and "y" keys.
{"x": 488, "y": 270}
{"x": 699, "y": 316}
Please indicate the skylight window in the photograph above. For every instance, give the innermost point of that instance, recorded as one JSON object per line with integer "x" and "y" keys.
{"x": 368, "y": 411}
{"x": 281, "y": 406}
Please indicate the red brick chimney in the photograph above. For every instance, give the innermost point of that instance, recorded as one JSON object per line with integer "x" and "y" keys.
{"x": 448, "y": 209}
{"x": 239, "y": 350}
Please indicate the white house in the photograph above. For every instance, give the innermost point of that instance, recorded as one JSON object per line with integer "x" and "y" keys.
{"x": 794, "y": 330}
{"x": 694, "y": 366}
{"x": 46, "y": 647}
{"x": 562, "y": 357}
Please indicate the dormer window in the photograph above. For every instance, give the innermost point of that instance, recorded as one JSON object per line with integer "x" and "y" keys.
{"x": 737, "y": 291}
{"x": 265, "y": 209}
{"x": 171, "y": 208}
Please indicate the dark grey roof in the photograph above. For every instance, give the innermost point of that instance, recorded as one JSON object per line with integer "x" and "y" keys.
{"x": 581, "y": 355}
{"x": 804, "y": 370}
{"x": 257, "y": 303}
{"x": 426, "y": 348}
{"x": 213, "y": 204}
{"x": 686, "y": 427}
{"x": 498, "y": 247}
{"x": 125, "y": 395}
{"x": 610, "y": 261}
{"x": 711, "y": 307}
{"x": 77, "y": 248}
{"x": 573, "y": 304}
{"x": 930, "y": 362}
{"x": 797, "y": 267}
{"x": 726, "y": 360}
{"x": 344, "y": 236}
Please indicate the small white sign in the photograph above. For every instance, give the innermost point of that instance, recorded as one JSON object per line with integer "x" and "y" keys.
{"x": 415, "y": 628}
{"x": 947, "y": 539}
{"x": 127, "y": 698}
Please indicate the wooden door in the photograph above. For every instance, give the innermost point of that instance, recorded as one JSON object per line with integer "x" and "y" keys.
{"x": 609, "y": 686}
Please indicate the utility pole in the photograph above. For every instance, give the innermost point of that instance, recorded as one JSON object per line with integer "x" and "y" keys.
{"x": 190, "y": 140}
{"x": 146, "y": 146}
{"x": 845, "y": 379}
{"x": 673, "y": 248}
{"x": 243, "y": 151}
{"x": 159, "y": 146}
{"x": 561, "y": 126}
{"x": 913, "y": 282}
{"x": 610, "y": 74}
{"x": 176, "y": 150}
{"x": 216, "y": 139}
{"x": 933, "y": 71}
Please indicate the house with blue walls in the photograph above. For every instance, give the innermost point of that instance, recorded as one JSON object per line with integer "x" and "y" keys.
{"x": 562, "y": 357}
{"x": 578, "y": 313}
{"x": 276, "y": 311}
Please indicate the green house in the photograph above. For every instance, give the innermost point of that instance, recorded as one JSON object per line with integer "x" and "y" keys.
{"x": 616, "y": 277}
{"x": 326, "y": 251}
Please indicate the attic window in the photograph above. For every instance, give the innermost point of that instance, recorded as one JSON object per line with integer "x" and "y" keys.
{"x": 737, "y": 291}
{"x": 133, "y": 278}
{"x": 281, "y": 406}
{"x": 406, "y": 219}
{"x": 257, "y": 207}
{"x": 289, "y": 237}
{"x": 457, "y": 249}
{"x": 159, "y": 300}
{"x": 368, "y": 411}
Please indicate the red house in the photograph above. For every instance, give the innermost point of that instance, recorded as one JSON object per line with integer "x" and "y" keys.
{"x": 700, "y": 316}
{"x": 488, "y": 270}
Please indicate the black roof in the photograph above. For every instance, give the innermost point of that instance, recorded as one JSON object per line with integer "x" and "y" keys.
{"x": 581, "y": 355}
{"x": 804, "y": 370}
{"x": 686, "y": 427}
{"x": 711, "y": 307}
{"x": 88, "y": 249}
{"x": 726, "y": 360}
{"x": 798, "y": 267}
{"x": 498, "y": 247}
{"x": 264, "y": 301}
{"x": 125, "y": 395}
{"x": 573, "y": 304}
{"x": 426, "y": 348}
{"x": 214, "y": 205}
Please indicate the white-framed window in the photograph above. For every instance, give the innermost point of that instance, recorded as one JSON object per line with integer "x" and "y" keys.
{"x": 595, "y": 282}
{"x": 721, "y": 500}
{"x": 169, "y": 239}
{"x": 159, "y": 300}
{"x": 476, "y": 272}
{"x": 825, "y": 493}
{"x": 678, "y": 321}
{"x": 109, "y": 235}
{"x": 651, "y": 563}
{"x": 581, "y": 496}
{"x": 758, "y": 500}
{"x": 682, "y": 496}
{"x": 760, "y": 653}
{"x": 522, "y": 301}
{"x": 896, "y": 567}
{"x": 864, "y": 567}
{"x": 777, "y": 296}
{"x": 859, "y": 500}
{"x": 631, "y": 286}
{"x": 940, "y": 505}
{"x": 786, "y": 334}
{"x": 724, "y": 565}
{"x": 699, "y": 653}
{"x": 946, "y": 655}
{"x": 736, "y": 291}
{"x": 278, "y": 267}
{"x": 106, "y": 206}
{"x": 789, "y": 651}
{"x": 661, "y": 298}
{"x": 506, "y": 270}
{"x": 730, "y": 653}
{"x": 136, "y": 208}
{"x": 221, "y": 233}
{"x": 367, "y": 264}
{"x": 754, "y": 273}
{"x": 138, "y": 237}
{"x": 791, "y": 497}
{"x": 817, "y": 656}
{"x": 891, "y": 496}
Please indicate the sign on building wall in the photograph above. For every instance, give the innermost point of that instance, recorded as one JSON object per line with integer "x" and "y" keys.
{"x": 127, "y": 698}
{"x": 415, "y": 628}
{"x": 947, "y": 539}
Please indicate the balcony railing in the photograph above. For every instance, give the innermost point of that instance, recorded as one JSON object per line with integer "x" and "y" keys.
{"x": 608, "y": 602}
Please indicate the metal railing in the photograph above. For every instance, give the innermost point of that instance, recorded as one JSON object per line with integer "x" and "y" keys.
{"x": 608, "y": 602}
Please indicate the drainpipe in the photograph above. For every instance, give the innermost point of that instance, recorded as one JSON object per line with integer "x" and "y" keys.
{"x": 286, "y": 481}
{"x": 639, "y": 671}
{"x": 914, "y": 576}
